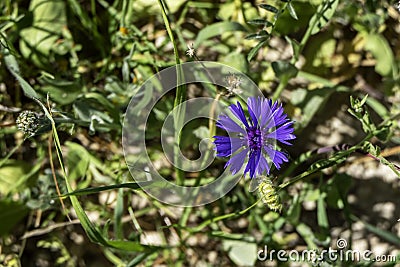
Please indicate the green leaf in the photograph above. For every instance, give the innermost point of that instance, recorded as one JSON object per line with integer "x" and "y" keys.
{"x": 37, "y": 41}
{"x": 284, "y": 70}
{"x": 308, "y": 235}
{"x": 13, "y": 173}
{"x": 61, "y": 91}
{"x": 240, "y": 252}
{"x": 295, "y": 46}
{"x": 236, "y": 60}
{"x": 255, "y": 49}
{"x": 260, "y": 35}
{"x": 96, "y": 190}
{"x": 291, "y": 10}
{"x": 91, "y": 111}
{"x": 378, "y": 107}
{"x": 380, "y": 49}
{"x": 310, "y": 101}
{"x": 13, "y": 67}
{"x": 10, "y": 214}
{"x": 388, "y": 236}
{"x": 337, "y": 189}
{"x": 294, "y": 212}
{"x": 264, "y": 22}
{"x": 269, "y": 8}
{"x": 202, "y": 132}
{"x": 321, "y": 213}
{"x": 324, "y": 13}
{"x": 77, "y": 161}
{"x": 217, "y": 29}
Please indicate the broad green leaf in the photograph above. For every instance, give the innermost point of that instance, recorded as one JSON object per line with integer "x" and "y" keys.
{"x": 380, "y": 49}
{"x": 202, "y": 132}
{"x": 145, "y": 7}
{"x": 323, "y": 15}
{"x": 225, "y": 11}
{"x": 284, "y": 70}
{"x": 217, "y": 29}
{"x": 310, "y": 101}
{"x": 10, "y": 214}
{"x": 37, "y": 41}
{"x": 240, "y": 252}
{"x": 313, "y": 195}
{"x": 61, "y": 91}
{"x": 77, "y": 161}
{"x": 11, "y": 174}
{"x": 236, "y": 60}
{"x": 93, "y": 113}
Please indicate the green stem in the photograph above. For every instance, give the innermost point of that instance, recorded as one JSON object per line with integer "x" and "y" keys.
{"x": 307, "y": 36}
{"x": 212, "y": 131}
{"x": 15, "y": 148}
{"x": 336, "y": 158}
{"x": 222, "y": 217}
{"x": 279, "y": 89}
{"x": 180, "y": 96}
{"x": 295, "y": 58}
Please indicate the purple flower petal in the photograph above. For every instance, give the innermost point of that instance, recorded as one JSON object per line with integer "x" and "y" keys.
{"x": 283, "y": 133}
{"x": 262, "y": 166}
{"x": 226, "y": 123}
{"x": 252, "y": 164}
{"x": 236, "y": 161}
{"x": 226, "y": 146}
{"x": 239, "y": 113}
{"x": 277, "y": 157}
{"x": 254, "y": 106}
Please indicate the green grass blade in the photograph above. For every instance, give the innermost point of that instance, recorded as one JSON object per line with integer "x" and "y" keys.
{"x": 96, "y": 190}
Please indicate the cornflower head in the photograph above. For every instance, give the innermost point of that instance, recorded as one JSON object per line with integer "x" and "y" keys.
{"x": 254, "y": 139}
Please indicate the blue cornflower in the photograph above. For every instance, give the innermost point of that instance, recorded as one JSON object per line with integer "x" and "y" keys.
{"x": 256, "y": 138}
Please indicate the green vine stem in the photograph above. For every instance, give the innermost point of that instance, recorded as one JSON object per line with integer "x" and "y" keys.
{"x": 282, "y": 85}
{"x": 180, "y": 96}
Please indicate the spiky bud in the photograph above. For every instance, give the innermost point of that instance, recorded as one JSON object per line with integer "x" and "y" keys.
{"x": 269, "y": 195}
{"x": 28, "y": 122}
